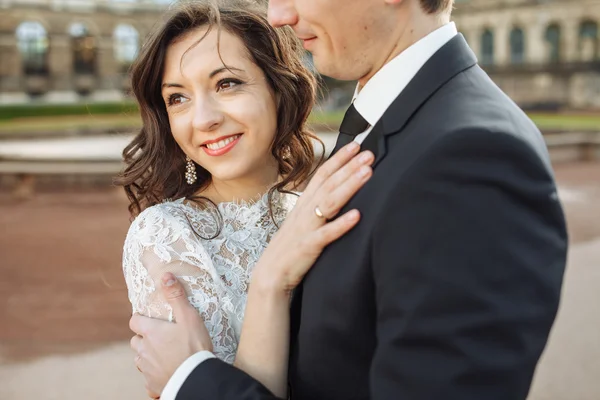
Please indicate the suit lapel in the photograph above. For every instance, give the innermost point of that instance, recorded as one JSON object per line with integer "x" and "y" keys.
{"x": 453, "y": 58}
{"x": 374, "y": 142}
{"x": 450, "y": 60}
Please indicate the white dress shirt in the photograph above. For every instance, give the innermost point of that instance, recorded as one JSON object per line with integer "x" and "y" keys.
{"x": 371, "y": 102}
{"x": 381, "y": 90}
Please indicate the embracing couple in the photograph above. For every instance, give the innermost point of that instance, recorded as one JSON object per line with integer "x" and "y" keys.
{"x": 422, "y": 260}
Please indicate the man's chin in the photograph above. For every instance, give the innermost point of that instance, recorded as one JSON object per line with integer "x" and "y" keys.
{"x": 333, "y": 70}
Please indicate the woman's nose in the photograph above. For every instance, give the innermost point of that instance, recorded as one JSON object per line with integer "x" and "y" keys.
{"x": 207, "y": 116}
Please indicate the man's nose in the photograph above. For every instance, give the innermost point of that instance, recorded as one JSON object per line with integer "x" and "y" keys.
{"x": 282, "y": 13}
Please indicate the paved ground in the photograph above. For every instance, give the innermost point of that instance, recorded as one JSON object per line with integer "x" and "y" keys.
{"x": 63, "y": 320}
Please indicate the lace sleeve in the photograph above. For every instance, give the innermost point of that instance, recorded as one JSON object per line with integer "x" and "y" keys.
{"x": 161, "y": 240}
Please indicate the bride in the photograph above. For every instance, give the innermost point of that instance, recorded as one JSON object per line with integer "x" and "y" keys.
{"x": 216, "y": 168}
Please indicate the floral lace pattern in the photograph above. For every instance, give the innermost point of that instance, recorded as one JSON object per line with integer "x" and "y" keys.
{"x": 173, "y": 236}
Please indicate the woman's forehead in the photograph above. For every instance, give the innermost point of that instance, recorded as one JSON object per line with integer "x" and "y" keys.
{"x": 210, "y": 49}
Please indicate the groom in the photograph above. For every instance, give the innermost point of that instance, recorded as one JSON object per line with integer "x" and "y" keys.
{"x": 448, "y": 287}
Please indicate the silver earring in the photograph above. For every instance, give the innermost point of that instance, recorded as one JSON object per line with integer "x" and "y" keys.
{"x": 190, "y": 171}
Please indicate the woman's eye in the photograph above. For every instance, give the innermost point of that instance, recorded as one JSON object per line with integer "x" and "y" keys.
{"x": 176, "y": 99}
{"x": 227, "y": 84}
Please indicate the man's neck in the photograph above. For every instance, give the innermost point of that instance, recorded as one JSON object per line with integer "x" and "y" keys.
{"x": 414, "y": 28}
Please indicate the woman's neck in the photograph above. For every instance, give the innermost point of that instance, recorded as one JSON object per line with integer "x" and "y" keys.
{"x": 248, "y": 190}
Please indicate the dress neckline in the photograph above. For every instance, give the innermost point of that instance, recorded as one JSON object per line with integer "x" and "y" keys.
{"x": 236, "y": 204}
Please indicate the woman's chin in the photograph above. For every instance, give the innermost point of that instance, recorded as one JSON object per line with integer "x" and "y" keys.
{"x": 227, "y": 173}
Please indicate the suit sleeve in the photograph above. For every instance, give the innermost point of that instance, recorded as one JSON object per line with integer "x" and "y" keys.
{"x": 214, "y": 379}
{"x": 468, "y": 259}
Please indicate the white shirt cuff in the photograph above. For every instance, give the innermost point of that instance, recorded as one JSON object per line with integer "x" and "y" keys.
{"x": 181, "y": 374}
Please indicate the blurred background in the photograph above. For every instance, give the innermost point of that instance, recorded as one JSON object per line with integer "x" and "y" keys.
{"x": 66, "y": 114}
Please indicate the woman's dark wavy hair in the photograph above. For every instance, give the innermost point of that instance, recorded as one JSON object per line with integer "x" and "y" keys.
{"x": 155, "y": 165}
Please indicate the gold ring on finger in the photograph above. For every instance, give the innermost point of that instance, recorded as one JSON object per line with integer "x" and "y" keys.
{"x": 318, "y": 212}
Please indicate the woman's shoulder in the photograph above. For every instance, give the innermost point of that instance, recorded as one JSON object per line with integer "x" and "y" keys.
{"x": 160, "y": 218}
{"x": 175, "y": 218}
{"x": 168, "y": 211}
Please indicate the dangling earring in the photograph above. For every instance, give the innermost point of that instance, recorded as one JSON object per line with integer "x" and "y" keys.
{"x": 287, "y": 153}
{"x": 190, "y": 171}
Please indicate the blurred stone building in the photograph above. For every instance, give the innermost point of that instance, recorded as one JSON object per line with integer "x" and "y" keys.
{"x": 542, "y": 53}
{"x": 63, "y": 51}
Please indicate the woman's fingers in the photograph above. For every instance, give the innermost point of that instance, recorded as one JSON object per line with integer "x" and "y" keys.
{"x": 340, "y": 195}
{"x": 335, "y": 229}
{"x": 339, "y": 188}
{"x": 337, "y": 161}
{"x": 345, "y": 177}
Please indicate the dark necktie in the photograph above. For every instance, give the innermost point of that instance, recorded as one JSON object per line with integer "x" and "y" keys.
{"x": 352, "y": 125}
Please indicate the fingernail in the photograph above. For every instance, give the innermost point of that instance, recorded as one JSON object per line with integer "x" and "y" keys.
{"x": 365, "y": 157}
{"x": 168, "y": 280}
{"x": 363, "y": 171}
{"x": 352, "y": 146}
{"x": 352, "y": 215}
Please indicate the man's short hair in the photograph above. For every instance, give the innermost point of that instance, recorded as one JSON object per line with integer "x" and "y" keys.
{"x": 436, "y": 6}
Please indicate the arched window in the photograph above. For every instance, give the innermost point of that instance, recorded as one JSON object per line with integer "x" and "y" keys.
{"x": 32, "y": 42}
{"x": 126, "y": 44}
{"x": 588, "y": 29}
{"x": 588, "y": 40}
{"x": 553, "y": 40}
{"x": 487, "y": 47}
{"x": 517, "y": 46}
{"x": 84, "y": 49}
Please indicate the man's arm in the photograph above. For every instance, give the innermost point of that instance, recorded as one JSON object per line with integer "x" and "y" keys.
{"x": 468, "y": 260}
{"x": 215, "y": 379}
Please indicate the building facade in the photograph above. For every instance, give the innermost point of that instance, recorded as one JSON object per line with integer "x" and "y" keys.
{"x": 65, "y": 51}
{"x": 542, "y": 53}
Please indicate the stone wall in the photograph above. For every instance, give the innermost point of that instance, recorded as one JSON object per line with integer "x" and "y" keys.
{"x": 559, "y": 66}
{"x": 60, "y": 82}
{"x": 565, "y": 74}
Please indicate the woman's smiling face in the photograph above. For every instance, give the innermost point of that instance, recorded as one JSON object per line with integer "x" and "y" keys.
{"x": 222, "y": 111}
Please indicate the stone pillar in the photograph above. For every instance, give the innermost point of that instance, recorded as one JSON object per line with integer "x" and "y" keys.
{"x": 570, "y": 40}
{"x": 60, "y": 60}
{"x": 536, "y": 48}
{"x": 11, "y": 70}
{"x": 474, "y": 36}
{"x": 108, "y": 68}
{"x": 9, "y": 54}
{"x": 502, "y": 44}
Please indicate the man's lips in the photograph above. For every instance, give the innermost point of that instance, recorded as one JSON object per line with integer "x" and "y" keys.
{"x": 307, "y": 41}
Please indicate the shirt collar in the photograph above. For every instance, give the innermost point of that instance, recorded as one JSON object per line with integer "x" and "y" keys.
{"x": 382, "y": 89}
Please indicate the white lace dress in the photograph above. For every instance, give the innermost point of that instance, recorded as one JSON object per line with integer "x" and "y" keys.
{"x": 215, "y": 272}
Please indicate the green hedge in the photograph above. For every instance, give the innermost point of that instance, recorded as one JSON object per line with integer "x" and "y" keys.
{"x": 25, "y": 111}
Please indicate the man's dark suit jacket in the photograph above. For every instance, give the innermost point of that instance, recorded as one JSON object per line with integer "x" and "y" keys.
{"x": 449, "y": 285}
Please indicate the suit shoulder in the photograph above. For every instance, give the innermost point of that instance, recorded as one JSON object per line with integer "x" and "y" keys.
{"x": 472, "y": 105}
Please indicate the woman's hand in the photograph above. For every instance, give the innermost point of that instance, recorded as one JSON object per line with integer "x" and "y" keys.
{"x": 312, "y": 224}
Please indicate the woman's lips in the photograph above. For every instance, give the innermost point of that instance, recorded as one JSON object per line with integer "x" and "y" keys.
{"x": 222, "y": 146}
